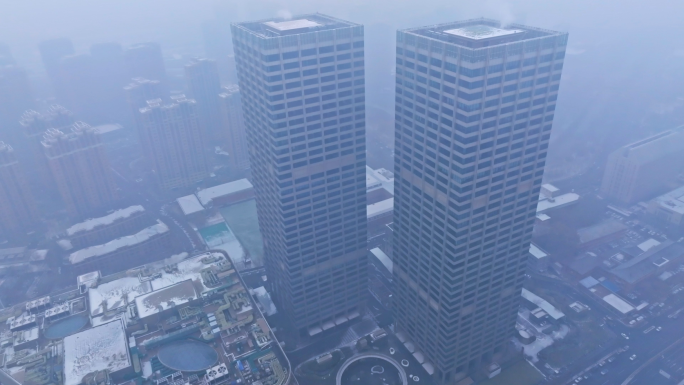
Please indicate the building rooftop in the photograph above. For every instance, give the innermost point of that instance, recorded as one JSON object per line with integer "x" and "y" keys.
{"x": 673, "y": 201}
{"x": 380, "y": 178}
{"x": 291, "y": 24}
{"x": 618, "y": 303}
{"x": 654, "y": 147}
{"x": 165, "y": 298}
{"x": 189, "y": 204}
{"x": 383, "y": 258}
{"x": 275, "y": 27}
{"x": 130, "y": 240}
{"x": 649, "y": 262}
{"x": 536, "y": 252}
{"x": 207, "y": 195}
{"x": 108, "y": 219}
{"x": 380, "y": 208}
{"x": 479, "y": 33}
{"x": 600, "y": 230}
{"x": 557, "y": 202}
{"x": 102, "y": 347}
{"x": 543, "y": 304}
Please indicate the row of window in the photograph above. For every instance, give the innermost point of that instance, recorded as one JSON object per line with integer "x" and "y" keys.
{"x": 311, "y": 51}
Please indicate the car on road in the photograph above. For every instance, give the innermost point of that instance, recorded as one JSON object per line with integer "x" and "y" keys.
{"x": 625, "y": 336}
{"x": 659, "y": 328}
{"x": 604, "y": 371}
{"x": 632, "y": 357}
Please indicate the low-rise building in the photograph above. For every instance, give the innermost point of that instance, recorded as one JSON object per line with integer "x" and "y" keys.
{"x": 602, "y": 232}
{"x": 149, "y": 244}
{"x": 118, "y": 223}
{"x": 669, "y": 207}
{"x": 227, "y": 193}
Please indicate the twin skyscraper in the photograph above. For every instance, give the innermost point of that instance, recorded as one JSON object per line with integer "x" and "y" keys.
{"x": 474, "y": 107}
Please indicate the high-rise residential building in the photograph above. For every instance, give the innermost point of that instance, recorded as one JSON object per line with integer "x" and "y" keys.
{"x": 204, "y": 85}
{"x": 174, "y": 142}
{"x": 80, "y": 168}
{"x": 145, "y": 60}
{"x": 643, "y": 169}
{"x": 15, "y": 98}
{"x": 109, "y": 78}
{"x": 232, "y": 127}
{"x": 302, "y": 89}
{"x": 17, "y": 207}
{"x": 34, "y": 125}
{"x": 52, "y": 52}
{"x": 474, "y": 108}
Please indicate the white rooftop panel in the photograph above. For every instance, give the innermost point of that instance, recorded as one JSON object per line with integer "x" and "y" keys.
{"x": 542, "y": 303}
{"x": 558, "y": 201}
{"x": 189, "y": 204}
{"x": 383, "y": 258}
{"x": 292, "y": 24}
{"x": 647, "y": 244}
{"x": 479, "y": 32}
{"x": 537, "y": 252}
{"x": 618, "y": 303}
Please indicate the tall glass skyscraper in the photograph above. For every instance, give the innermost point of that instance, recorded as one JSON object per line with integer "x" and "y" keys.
{"x": 302, "y": 89}
{"x": 474, "y": 108}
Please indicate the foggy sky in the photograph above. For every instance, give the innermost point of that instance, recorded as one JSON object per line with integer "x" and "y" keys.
{"x": 622, "y": 79}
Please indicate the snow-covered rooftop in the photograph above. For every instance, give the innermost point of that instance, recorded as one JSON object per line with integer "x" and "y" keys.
{"x": 380, "y": 178}
{"x": 481, "y": 31}
{"x": 189, "y": 204}
{"x": 379, "y": 208}
{"x": 207, "y": 195}
{"x": 543, "y": 304}
{"x": 559, "y": 201}
{"x": 672, "y": 201}
{"x": 165, "y": 298}
{"x": 103, "y": 221}
{"x": 292, "y": 24}
{"x": 537, "y": 252}
{"x": 130, "y": 240}
{"x": 102, "y": 347}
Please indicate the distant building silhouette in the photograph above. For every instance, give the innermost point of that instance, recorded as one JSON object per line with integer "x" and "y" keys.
{"x": 232, "y": 129}
{"x": 17, "y": 206}
{"x": 643, "y": 169}
{"x": 173, "y": 141}
{"x": 52, "y": 52}
{"x": 145, "y": 60}
{"x": 204, "y": 85}
{"x": 80, "y": 167}
{"x": 15, "y": 98}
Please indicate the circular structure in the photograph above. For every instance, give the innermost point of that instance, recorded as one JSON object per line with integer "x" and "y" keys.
{"x": 65, "y": 327}
{"x": 364, "y": 369}
{"x": 187, "y": 356}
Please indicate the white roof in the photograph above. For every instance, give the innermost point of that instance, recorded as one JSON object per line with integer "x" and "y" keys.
{"x": 207, "y": 195}
{"x": 647, "y": 244}
{"x": 189, "y": 204}
{"x": 102, "y": 347}
{"x": 559, "y": 201}
{"x": 543, "y": 217}
{"x": 291, "y": 24}
{"x": 381, "y": 177}
{"x": 265, "y": 300}
{"x": 618, "y": 303}
{"x": 549, "y": 187}
{"x": 115, "y": 294}
{"x": 481, "y": 31}
{"x": 380, "y": 208}
{"x": 130, "y": 240}
{"x": 672, "y": 201}
{"x": 103, "y": 221}
{"x": 537, "y": 252}
{"x": 382, "y": 257}
{"x": 543, "y": 304}
{"x": 165, "y": 298}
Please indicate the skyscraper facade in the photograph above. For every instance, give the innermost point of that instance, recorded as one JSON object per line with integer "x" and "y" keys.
{"x": 15, "y": 98}
{"x": 232, "y": 127}
{"x": 173, "y": 140}
{"x": 80, "y": 167}
{"x": 204, "y": 85}
{"x": 17, "y": 207}
{"x": 302, "y": 89}
{"x": 474, "y": 108}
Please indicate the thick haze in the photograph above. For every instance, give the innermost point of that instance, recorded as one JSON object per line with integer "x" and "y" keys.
{"x": 622, "y": 79}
